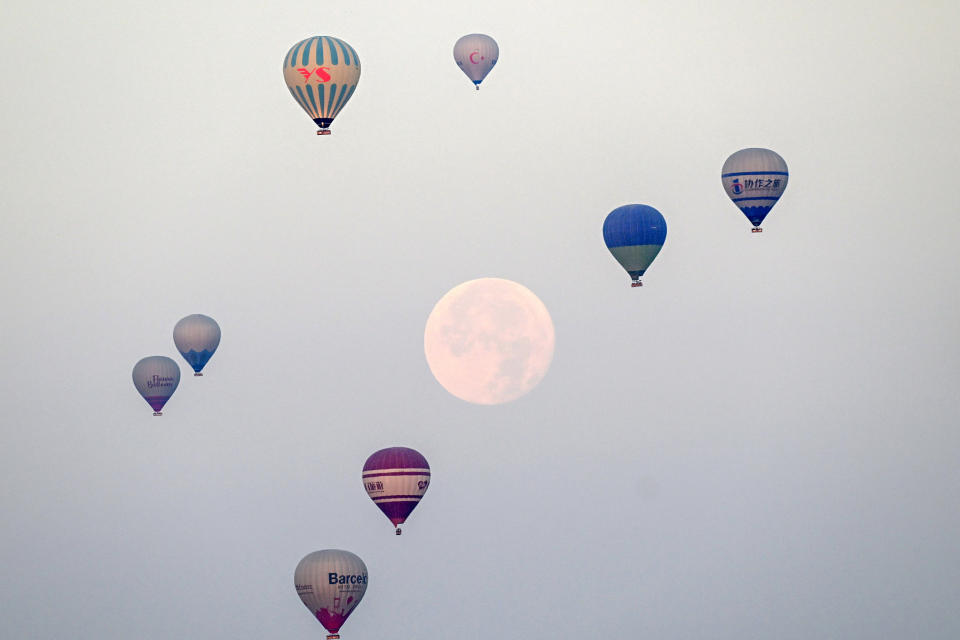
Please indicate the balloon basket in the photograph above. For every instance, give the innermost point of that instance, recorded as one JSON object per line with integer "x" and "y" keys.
{"x": 157, "y": 413}
{"x": 197, "y": 374}
{"x": 756, "y": 230}
{"x": 636, "y": 284}
{"x": 333, "y": 636}
{"x": 398, "y": 531}
{"x": 324, "y": 132}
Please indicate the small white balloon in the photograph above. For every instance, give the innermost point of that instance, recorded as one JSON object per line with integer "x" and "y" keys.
{"x": 476, "y": 54}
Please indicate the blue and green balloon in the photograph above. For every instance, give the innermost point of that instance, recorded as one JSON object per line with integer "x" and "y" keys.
{"x": 634, "y": 234}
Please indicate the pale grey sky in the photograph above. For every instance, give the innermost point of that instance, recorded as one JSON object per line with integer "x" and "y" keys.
{"x": 761, "y": 442}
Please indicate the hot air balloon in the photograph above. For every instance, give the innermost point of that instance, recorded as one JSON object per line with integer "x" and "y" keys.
{"x": 331, "y": 584}
{"x": 476, "y": 54}
{"x": 754, "y": 179}
{"x": 321, "y": 73}
{"x": 156, "y": 378}
{"x": 196, "y": 337}
{"x": 635, "y": 233}
{"x": 395, "y": 479}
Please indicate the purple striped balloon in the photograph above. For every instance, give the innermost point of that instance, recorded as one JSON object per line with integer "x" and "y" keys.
{"x": 396, "y": 479}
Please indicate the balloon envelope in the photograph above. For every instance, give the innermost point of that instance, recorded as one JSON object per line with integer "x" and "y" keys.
{"x": 331, "y": 584}
{"x": 196, "y": 337}
{"x": 321, "y": 73}
{"x": 634, "y": 234}
{"x": 156, "y": 378}
{"x": 754, "y": 179}
{"x": 395, "y": 479}
{"x": 476, "y": 54}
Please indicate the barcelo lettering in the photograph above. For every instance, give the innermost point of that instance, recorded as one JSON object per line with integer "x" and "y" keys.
{"x": 335, "y": 578}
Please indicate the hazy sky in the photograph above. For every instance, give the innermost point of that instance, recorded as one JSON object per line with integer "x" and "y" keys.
{"x": 762, "y": 442}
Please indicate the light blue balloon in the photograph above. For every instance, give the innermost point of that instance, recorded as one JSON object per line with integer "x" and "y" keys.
{"x": 197, "y": 338}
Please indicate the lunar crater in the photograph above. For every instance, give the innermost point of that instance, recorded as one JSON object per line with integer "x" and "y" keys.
{"x": 489, "y": 341}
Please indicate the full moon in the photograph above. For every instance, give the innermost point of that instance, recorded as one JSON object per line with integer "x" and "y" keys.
{"x": 489, "y": 341}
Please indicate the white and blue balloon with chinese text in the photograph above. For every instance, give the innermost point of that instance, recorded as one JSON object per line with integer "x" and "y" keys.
{"x": 754, "y": 179}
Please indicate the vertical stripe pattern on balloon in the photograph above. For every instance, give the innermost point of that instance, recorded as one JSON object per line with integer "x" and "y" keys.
{"x": 321, "y": 74}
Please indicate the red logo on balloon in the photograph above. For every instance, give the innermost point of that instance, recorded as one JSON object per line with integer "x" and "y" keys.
{"x": 321, "y": 72}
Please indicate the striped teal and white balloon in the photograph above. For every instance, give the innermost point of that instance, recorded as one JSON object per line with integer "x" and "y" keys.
{"x": 321, "y": 73}
{"x": 476, "y": 54}
{"x": 754, "y": 179}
